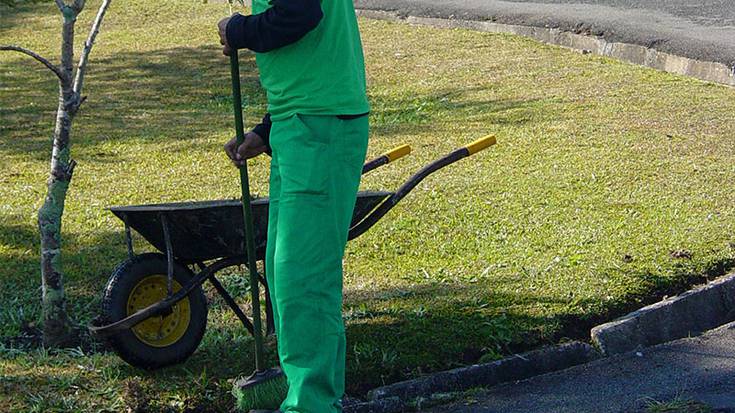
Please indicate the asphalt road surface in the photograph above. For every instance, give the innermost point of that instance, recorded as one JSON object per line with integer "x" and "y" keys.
{"x": 699, "y": 368}
{"x": 703, "y": 30}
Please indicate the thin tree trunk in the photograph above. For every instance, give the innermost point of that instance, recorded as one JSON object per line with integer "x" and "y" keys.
{"x": 57, "y": 329}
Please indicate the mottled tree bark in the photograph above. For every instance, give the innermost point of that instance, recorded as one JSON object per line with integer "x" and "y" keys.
{"x": 57, "y": 327}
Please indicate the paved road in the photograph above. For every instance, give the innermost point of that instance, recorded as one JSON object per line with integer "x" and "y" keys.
{"x": 698, "y": 29}
{"x": 700, "y": 368}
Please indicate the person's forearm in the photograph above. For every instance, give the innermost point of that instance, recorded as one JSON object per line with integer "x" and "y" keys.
{"x": 284, "y": 23}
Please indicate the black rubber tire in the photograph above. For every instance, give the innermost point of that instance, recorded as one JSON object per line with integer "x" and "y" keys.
{"x": 125, "y": 343}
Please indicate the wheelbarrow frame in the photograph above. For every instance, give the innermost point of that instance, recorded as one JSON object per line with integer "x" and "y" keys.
{"x": 208, "y": 271}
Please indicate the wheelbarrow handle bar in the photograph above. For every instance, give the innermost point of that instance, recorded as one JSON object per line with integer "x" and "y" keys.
{"x": 387, "y": 158}
{"x": 411, "y": 183}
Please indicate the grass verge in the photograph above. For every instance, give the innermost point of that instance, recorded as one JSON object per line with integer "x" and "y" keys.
{"x": 610, "y": 187}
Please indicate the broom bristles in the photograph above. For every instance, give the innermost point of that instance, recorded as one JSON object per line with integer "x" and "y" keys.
{"x": 267, "y": 395}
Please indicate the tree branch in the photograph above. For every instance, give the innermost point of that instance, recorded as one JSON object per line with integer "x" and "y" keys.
{"x": 60, "y": 5}
{"x": 36, "y": 56}
{"x": 84, "y": 58}
{"x": 79, "y": 5}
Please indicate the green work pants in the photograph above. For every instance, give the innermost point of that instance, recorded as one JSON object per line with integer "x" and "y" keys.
{"x": 315, "y": 173}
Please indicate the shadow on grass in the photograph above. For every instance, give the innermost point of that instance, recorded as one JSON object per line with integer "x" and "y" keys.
{"x": 179, "y": 94}
{"x": 86, "y": 264}
{"x": 21, "y": 10}
{"x": 437, "y": 110}
{"x": 171, "y": 94}
{"x": 399, "y": 334}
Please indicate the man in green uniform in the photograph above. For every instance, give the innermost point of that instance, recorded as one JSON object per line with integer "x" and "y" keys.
{"x": 311, "y": 65}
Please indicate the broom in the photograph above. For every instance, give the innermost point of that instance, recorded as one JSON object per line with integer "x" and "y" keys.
{"x": 265, "y": 388}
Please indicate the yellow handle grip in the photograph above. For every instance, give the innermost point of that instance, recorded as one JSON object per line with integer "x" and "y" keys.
{"x": 481, "y": 144}
{"x": 397, "y": 153}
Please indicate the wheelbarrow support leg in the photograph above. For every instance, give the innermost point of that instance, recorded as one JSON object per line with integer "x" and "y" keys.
{"x": 128, "y": 237}
{"x": 169, "y": 256}
{"x": 231, "y": 302}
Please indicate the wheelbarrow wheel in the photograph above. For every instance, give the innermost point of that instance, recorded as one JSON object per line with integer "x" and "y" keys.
{"x": 157, "y": 341}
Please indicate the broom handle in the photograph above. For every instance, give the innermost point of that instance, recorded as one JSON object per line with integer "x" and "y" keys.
{"x": 247, "y": 214}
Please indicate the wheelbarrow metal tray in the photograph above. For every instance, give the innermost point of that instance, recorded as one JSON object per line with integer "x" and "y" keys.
{"x": 206, "y": 230}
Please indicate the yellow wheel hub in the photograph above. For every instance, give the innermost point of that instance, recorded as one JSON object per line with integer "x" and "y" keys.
{"x": 160, "y": 331}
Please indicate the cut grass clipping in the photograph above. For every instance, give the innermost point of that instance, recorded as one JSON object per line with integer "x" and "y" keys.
{"x": 610, "y": 187}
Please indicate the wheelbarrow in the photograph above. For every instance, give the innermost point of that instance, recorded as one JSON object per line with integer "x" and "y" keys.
{"x": 154, "y": 312}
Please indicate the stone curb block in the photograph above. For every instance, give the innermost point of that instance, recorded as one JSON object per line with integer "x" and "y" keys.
{"x": 690, "y": 313}
{"x": 632, "y": 53}
{"x": 518, "y": 367}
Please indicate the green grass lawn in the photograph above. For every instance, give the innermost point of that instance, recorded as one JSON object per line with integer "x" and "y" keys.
{"x": 611, "y": 186}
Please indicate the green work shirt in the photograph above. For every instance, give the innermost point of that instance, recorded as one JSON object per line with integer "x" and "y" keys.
{"x": 323, "y": 73}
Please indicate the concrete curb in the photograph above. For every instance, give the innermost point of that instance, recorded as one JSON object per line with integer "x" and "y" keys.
{"x": 517, "y": 367}
{"x": 632, "y": 53}
{"x": 690, "y": 313}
